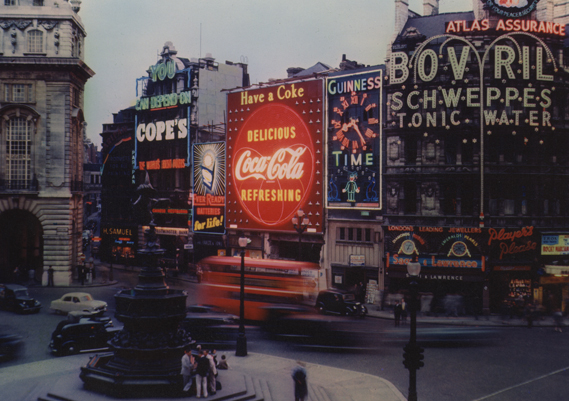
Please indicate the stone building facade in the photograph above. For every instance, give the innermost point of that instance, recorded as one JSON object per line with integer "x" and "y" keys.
{"x": 42, "y": 79}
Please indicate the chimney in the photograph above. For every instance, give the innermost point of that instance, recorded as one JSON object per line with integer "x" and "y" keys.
{"x": 430, "y": 7}
{"x": 401, "y": 15}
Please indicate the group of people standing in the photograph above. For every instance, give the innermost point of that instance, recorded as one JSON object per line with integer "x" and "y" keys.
{"x": 199, "y": 371}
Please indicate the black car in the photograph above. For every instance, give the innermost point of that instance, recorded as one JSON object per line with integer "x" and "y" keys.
{"x": 10, "y": 346}
{"x": 210, "y": 325}
{"x": 339, "y": 302}
{"x": 84, "y": 334}
{"x": 15, "y": 298}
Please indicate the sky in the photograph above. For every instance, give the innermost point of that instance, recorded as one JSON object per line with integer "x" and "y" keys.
{"x": 125, "y": 37}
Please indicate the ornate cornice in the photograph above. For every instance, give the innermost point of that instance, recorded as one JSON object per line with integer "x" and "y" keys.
{"x": 18, "y": 23}
{"x": 48, "y": 24}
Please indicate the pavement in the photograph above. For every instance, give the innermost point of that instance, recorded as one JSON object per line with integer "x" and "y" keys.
{"x": 253, "y": 377}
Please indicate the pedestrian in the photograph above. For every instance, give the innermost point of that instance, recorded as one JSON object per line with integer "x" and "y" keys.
{"x": 202, "y": 370}
{"x": 17, "y": 274}
{"x": 81, "y": 271}
{"x": 50, "y": 277}
{"x": 223, "y": 363}
{"x": 188, "y": 362}
{"x": 403, "y": 312}
{"x": 212, "y": 373}
{"x": 558, "y": 317}
{"x": 300, "y": 385}
{"x": 397, "y": 313}
{"x": 360, "y": 292}
{"x": 529, "y": 312}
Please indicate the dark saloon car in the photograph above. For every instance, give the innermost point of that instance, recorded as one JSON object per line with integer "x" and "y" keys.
{"x": 339, "y": 302}
{"x": 84, "y": 334}
{"x": 10, "y": 345}
{"x": 15, "y": 298}
{"x": 210, "y": 325}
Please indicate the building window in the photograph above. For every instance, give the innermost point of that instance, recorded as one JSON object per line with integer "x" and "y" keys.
{"x": 342, "y": 234}
{"x": 368, "y": 234}
{"x": 18, "y": 150}
{"x": 19, "y": 93}
{"x": 35, "y": 41}
{"x": 38, "y": 2}
{"x": 10, "y": 2}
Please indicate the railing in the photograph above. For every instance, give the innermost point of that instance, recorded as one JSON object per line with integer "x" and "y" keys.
{"x": 18, "y": 185}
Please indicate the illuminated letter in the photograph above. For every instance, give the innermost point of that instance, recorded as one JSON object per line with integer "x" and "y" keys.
{"x": 150, "y": 132}
{"x": 401, "y": 66}
{"x": 421, "y": 65}
{"x": 500, "y": 62}
{"x": 182, "y": 130}
{"x": 458, "y": 67}
{"x": 170, "y": 130}
{"x": 160, "y": 128}
{"x": 540, "y": 75}
{"x": 140, "y": 133}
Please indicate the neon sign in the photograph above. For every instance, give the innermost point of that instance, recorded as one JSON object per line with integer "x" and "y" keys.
{"x": 275, "y": 157}
{"x": 511, "y": 8}
{"x": 509, "y": 25}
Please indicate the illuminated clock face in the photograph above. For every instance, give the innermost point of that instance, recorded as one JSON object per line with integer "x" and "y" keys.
{"x": 354, "y": 122}
{"x": 408, "y": 247}
{"x": 459, "y": 249}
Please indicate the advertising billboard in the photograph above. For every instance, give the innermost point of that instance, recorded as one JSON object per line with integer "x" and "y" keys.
{"x": 274, "y": 156}
{"x": 209, "y": 188}
{"x": 354, "y": 140}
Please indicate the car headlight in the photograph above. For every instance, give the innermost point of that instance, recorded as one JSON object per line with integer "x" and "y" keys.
{"x": 37, "y": 303}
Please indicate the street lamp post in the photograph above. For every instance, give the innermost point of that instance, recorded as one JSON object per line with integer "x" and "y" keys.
{"x": 241, "y": 348}
{"x": 413, "y": 353}
{"x": 300, "y": 223}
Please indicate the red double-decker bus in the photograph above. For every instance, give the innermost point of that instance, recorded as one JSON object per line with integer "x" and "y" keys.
{"x": 268, "y": 282}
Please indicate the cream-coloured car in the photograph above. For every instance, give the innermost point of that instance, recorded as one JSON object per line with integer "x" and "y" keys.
{"x": 78, "y": 301}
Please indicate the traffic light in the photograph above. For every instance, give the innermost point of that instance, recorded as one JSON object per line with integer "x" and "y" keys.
{"x": 420, "y": 357}
{"x": 413, "y": 356}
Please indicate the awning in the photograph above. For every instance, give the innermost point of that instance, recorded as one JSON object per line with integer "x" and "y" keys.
{"x": 557, "y": 270}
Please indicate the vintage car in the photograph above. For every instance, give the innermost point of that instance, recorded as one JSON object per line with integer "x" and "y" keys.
{"x": 339, "y": 302}
{"x": 11, "y": 345}
{"x": 84, "y": 334}
{"x": 15, "y": 298}
{"x": 210, "y": 325}
{"x": 78, "y": 301}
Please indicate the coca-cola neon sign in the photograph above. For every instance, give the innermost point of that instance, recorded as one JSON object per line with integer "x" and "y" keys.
{"x": 275, "y": 158}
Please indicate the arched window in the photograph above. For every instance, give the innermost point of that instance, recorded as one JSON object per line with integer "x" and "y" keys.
{"x": 35, "y": 41}
{"x": 18, "y": 162}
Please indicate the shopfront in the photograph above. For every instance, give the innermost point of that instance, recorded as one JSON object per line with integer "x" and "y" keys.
{"x": 452, "y": 263}
{"x": 119, "y": 243}
{"x": 553, "y": 278}
{"x": 512, "y": 265}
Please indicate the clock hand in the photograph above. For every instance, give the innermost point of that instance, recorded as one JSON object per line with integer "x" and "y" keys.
{"x": 353, "y": 123}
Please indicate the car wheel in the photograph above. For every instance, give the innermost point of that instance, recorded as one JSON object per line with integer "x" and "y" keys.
{"x": 348, "y": 312}
{"x": 320, "y": 309}
{"x": 70, "y": 349}
{"x": 58, "y": 312}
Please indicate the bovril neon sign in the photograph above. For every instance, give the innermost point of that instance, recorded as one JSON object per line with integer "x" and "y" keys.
{"x": 523, "y": 99}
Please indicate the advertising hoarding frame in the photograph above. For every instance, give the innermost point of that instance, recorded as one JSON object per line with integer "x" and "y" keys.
{"x": 254, "y": 115}
{"x": 378, "y": 142}
{"x": 212, "y": 193}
